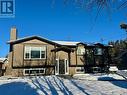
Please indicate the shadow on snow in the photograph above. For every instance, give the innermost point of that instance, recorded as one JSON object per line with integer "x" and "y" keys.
{"x": 79, "y": 87}
{"x": 17, "y": 88}
{"x": 119, "y": 83}
{"x": 48, "y": 84}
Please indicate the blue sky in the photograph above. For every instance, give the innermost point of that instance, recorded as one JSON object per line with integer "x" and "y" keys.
{"x": 60, "y": 22}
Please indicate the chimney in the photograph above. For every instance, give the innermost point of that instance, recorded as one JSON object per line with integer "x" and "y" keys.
{"x": 13, "y": 35}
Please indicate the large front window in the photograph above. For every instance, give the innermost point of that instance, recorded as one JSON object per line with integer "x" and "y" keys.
{"x": 35, "y": 52}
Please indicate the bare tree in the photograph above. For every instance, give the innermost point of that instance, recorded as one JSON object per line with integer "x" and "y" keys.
{"x": 107, "y": 6}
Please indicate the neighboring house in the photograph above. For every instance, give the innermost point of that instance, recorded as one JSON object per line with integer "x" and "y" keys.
{"x": 37, "y": 55}
{"x": 1, "y": 68}
{"x": 3, "y": 61}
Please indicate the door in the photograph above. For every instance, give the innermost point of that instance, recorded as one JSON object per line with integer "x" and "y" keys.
{"x": 61, "y": 66}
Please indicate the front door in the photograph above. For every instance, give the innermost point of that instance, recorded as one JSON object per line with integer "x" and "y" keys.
{"x": 61, "y": 66}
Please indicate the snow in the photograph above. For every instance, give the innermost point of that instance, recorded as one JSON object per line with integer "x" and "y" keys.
{"x": 16, "y": 87}
{"x": 113, "y": 68}
{"x": 122, "y": 73}
{"x": 2, "y": 59}
{"x": 100, "y": 76}
{"x": 54, "y": 85}
{"x": 66, "y": 42}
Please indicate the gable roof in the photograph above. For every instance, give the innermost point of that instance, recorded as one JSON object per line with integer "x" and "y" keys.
{"x": 57, "y": 43}
{"x": 30, "y": 38}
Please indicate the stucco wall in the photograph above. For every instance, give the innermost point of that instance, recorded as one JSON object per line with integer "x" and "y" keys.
{"x": 16, "y": 58}
{"x": 18, "y": 54}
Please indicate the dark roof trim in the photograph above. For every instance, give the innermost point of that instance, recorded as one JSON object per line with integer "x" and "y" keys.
{"x": 81, "y": 44}
{"x": 99, "y": 44}
{"x": 33, "y": 37}
{"x": 93, "y": 45}
{"x": 62, "y": 48}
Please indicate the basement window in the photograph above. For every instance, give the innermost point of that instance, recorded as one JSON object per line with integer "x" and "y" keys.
{"x": 35, "y": 52}
{"x": 34, "y": 71}
{"x": 79, "y": 70}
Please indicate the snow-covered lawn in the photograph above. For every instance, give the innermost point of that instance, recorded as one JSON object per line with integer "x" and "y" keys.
{"x": 99, "y": 76}
{"x": 54, "y": 85}
{"x": 122, "y": 73}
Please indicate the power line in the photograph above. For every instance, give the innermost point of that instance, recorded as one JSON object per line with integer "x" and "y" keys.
{"x": 100, "y": 7}
{"x": 123, "y": 5}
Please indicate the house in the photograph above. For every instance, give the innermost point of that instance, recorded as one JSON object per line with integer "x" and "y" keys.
{"x": 3, "y": 61}
{"x": 1, "y": 68}
{"x": 36, "y": 55}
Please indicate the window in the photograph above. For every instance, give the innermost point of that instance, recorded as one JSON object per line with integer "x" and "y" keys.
{"x": 57, "y": 66}
{"x": 35, "y": 52}
{"x": 98, "y": 51}
{"x": 80, "y": 70}
{"x": 27, "y": 55}
{"x": 34, "y": 71}
{"x": 27, "y": 52}
{"x": 80, "y": 51}
{"x": 96, "y": 69}
{"x": 42, "y": 54}
{"x": 66, "y": 66}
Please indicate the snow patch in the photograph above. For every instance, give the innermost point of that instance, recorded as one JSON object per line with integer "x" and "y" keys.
{"x": 98, "y": 77}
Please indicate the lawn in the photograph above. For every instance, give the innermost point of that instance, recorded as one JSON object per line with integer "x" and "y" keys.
{"x": 54, "y": 85}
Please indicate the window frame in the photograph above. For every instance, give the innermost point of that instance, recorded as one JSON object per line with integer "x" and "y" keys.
{"x": 30, "y": 49}
{"x": 96, "y": 49}
{"x": 30, "y": 69}
{"x": 79, "y": 70}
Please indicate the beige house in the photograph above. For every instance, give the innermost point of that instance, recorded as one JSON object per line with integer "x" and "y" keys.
{"x": 37, "y": 55}
{"x": 40, "y": 56}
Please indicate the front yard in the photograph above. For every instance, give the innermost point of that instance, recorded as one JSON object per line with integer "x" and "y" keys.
{"x": 54, "y": 85}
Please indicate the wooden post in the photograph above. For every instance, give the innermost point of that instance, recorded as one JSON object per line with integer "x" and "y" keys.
{"x": 69, "y": 58}
{"x": 54, "y": 61}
